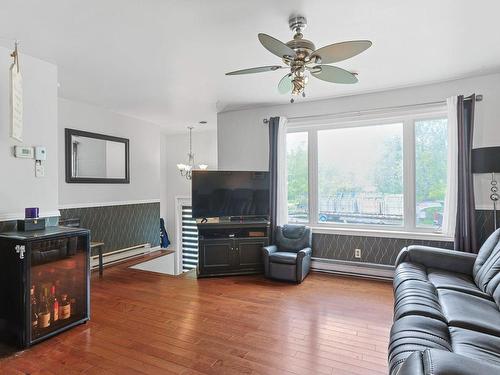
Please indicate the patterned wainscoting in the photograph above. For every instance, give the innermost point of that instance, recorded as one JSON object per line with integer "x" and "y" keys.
{"x": 120, "y": 226}
{"x": 381, "y": 250}
{"x": 376, "y": 250}
{"x": 484, "y": 224}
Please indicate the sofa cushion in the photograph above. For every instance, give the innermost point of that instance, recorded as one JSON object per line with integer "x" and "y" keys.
{"x": 487, "y": 264}
{"x": 494, "y": 289}
{"x": 440, "y": 362}
{"x": 476, "y": 345}
{"x": 409, "y": 271}
{"x": 470, "y": 312}
{"x": 415, "y": 297}
{"x": 293, "y": 237}
{"x": 283, "y": 257}
{"x": 455, "y": 281}
{"x": 416, "y": 333}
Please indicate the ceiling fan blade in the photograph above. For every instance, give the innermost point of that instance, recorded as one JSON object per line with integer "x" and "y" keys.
{"x": 285, "y": 85}
{"x": 333, "y": 74}
{"x": 259, "y": 69}
{"x": 275, "y": 46}
{"x": 340, "y": 51}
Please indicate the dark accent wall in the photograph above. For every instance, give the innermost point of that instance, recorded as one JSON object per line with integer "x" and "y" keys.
{"x": 484, "y": 224}
{"x": 380, "y": 250}
{"x": 121, "y": 226}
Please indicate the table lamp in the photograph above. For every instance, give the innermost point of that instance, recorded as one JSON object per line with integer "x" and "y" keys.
{"x": 487, "y": 160}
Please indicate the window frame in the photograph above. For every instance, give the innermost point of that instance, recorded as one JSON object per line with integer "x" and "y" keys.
{"x": 408, "y": 119}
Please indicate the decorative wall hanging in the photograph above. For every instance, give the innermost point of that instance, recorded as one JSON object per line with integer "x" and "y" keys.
{"x": 16, "y": 97}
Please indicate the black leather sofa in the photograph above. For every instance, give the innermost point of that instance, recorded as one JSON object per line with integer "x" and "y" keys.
{"x": 446, "y": 311}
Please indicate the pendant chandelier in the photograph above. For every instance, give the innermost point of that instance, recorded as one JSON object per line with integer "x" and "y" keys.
{"x": 186, "y": 170}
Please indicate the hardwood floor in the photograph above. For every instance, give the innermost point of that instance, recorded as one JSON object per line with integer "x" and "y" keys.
{"x": 147, "y": 323}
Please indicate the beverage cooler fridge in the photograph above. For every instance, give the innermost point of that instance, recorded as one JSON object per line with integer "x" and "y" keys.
{"x": 45, "y": 283}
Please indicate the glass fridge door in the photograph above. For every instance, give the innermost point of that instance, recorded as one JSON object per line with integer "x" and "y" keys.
{"x": 58, "y": 290}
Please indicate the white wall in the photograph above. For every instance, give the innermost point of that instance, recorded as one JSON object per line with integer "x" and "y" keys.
{"x": 243, "y": 138}
{"x": 18, "y": 186}
{"x": 144, "y": 156}
{"x": 174, "y": 149}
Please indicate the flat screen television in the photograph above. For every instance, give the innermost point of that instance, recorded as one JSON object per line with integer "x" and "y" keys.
{"x": 230, "y": 193}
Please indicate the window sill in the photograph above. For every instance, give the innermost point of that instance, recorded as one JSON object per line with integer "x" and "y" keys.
{"x": 364, "y": 232}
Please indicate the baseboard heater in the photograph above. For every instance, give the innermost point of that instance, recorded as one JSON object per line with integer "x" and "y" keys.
{"x": 121, "y": 255}
{"x": 358, "y": 269}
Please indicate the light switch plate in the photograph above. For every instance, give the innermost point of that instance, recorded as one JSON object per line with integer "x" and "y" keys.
{"x": 39, "y": 170}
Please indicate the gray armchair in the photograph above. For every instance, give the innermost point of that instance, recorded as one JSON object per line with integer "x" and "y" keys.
{"x": 290, "y": 258}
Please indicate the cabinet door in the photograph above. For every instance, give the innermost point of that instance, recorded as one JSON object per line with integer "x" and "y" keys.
{"x": 13, "y": 314}
{"x": 58, "y": 275}
{"x": 250, "y": 252}
{"x": 216, "y": 255}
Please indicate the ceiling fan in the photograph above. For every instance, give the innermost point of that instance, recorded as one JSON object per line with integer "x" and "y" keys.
{"x": 301, "y": 57}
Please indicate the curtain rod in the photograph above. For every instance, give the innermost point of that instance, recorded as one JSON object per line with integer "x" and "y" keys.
{"x": 479, "y": 98}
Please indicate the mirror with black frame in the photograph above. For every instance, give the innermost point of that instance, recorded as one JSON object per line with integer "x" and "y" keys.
{"x": 96, "y": 158}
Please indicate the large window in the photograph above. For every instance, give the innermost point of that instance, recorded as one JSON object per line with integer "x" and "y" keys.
{"x": 431, "y": 154}
{"x": 298, "y": 177}
{"x": 369, "y": 173}
{"x": 360, "y": 175}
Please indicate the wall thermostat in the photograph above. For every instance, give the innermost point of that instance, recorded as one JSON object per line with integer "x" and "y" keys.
{"x": 24, "y": 152}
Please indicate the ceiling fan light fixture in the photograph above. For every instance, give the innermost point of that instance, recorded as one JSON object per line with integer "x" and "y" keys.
{"x": 300, "y": 54}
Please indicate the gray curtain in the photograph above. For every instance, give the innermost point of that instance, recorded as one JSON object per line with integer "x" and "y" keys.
{"x": 273, "y": 172}
{"x": 465, "y": 232}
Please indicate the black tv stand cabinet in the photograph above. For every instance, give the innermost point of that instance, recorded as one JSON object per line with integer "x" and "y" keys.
{"x": 231, "y": 248}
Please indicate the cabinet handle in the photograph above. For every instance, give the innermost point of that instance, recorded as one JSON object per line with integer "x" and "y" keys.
{"x": 20, "y": 249}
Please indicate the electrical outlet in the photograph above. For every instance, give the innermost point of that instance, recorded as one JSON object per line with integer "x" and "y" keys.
{"x": 357, "y": 253}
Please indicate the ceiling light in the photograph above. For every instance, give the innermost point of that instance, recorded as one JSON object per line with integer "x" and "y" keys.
{"x": 186, "y": 170}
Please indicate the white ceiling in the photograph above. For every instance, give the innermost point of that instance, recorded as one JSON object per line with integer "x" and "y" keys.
{"x": 164, "y": 60}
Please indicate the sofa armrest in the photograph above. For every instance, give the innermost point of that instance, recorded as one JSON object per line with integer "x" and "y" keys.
{"x": 434, "y": 257}
{"x": 303, "y": 263}
{"x": 441, "y": 362}
{"x": 266, "y": 251}
{"x": 304, "y": 252}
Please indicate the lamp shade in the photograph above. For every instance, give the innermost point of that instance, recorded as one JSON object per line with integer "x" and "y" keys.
{"x": 486, "y": 160}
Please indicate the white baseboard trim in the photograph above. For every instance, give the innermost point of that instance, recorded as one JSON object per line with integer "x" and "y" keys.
{"x": 105, "y": 204}
{"x": 484, "y": 207}
{"x": 360, "y": 269}
{"x": 122, "y": 255}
